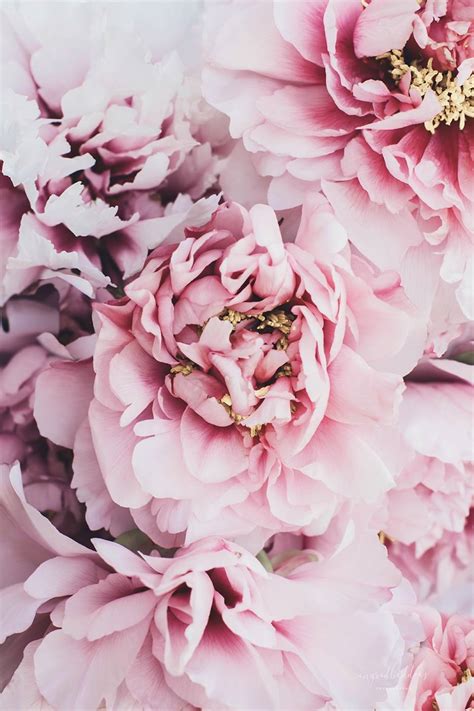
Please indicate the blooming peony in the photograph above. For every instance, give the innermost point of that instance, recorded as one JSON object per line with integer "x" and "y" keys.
{"x": 373, "y": 102}
{"x": 443, "y": 575}
{"x": 236, "y": 416}
{"x": 427, "y": 513}
{"x": 441, "y": 676}
{"x": 31, "y": 545}
{"x": 41, "y": 570}
{"x": 94, "y": 126}
{"x": 435, "y": 490}
{"x": 242, "y": 386}
{"x": 46, "y": 468}
{"x": 159, "y": 632}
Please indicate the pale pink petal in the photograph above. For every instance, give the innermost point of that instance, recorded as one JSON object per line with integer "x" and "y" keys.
{"x": 75, "y": 379}
{"x": 96, "y": 668}
{"x": 384, "y": 25}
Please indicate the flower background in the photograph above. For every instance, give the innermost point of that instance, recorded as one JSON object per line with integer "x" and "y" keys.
{"x": 236, "y": 414}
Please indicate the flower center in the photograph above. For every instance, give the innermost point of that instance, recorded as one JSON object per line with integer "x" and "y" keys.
{"x": 185, "y": 368}
{"x": 457, "y": 101}
{"x": 278, "y": 319}
{"x": 464, "y": 676}
{"x": 271, "y": 330}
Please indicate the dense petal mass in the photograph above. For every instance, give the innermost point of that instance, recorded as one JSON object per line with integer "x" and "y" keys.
{"x": 24, "y": 354}
{"x": 428, "y": 516}
{"x": 168, "y": 632}
{"x": 231, "y": 383}
{"x": 440, "y": 675}
{"x": 379, "y": 104}
{"x": 33, "y": 551}
{"x": 97, "y": 140}
{"x": 236, "y": 362}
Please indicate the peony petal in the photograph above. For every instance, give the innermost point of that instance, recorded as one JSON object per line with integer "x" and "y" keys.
{"x": 384, "y": 25}
{"x": 114, "y": 446}
{"x": 96, "y": 669}
{"x": 212, "y": 454}
{"x": 57, "y": 420}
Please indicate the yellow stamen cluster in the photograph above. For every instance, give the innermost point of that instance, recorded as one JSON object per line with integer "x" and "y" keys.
{"x": 285, "y": 371}
{"x": 226, "y": 402}
{"x": 278, "y": 320}
{"x": 457, "y": 101}
{"x": 235, "y": 317}
{"x": 384, "y": 538}
{"x": 184, "y": 368}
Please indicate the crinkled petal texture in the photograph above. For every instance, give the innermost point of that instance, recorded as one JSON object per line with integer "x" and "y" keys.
{"x": 428, "y": 513}
{"x": 244, "y": 384}
{"x": 53, "y": 591}
{"x": 141, "y": 631}
{"x": 39, "y": 564}
{"x": 440, "y": 674}
{"x": 24, "y": 353}
{"x": 99, "y": 114}
{"x": 370, "y": 101}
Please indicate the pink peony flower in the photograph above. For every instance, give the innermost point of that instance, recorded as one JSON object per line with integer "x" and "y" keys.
{"x": 435, "y": 490}
{"x": 103, "y": 125}
{"x": 441, "y": 676}
{"x": 42, "y": 570}
{"x": 46, "y": 469}
{"x": 243, "y": 386}
{"x": 443, "y": 574}
{"x": 154, "y": 632}
{"x": 260, "y": 622}
{"x": 32, "y": 546}
{"x": 373, "y": 102}
{"x": 427, "y": 514}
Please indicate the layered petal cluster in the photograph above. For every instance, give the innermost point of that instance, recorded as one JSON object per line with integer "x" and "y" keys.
{"x": 443, "y": 576}
{"x": 236, "y": 413}
{"x": 94, "y": 125}
{"x": 46, "y": 468}
{"x": 145, "y": 631}
{"x": 42, "y": 570}
{"x": 243, "y": 385}
{"x": 373, "y": 102}
{"x": 435, "y": 491}
{"x": 441, "y": 675}
{"x": 32, "y": 546}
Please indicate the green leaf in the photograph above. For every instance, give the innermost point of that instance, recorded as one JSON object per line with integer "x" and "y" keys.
{"x": 466, "y": 357}
{"x": 265, "y": 561}
{"x": 135, "y": 541}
